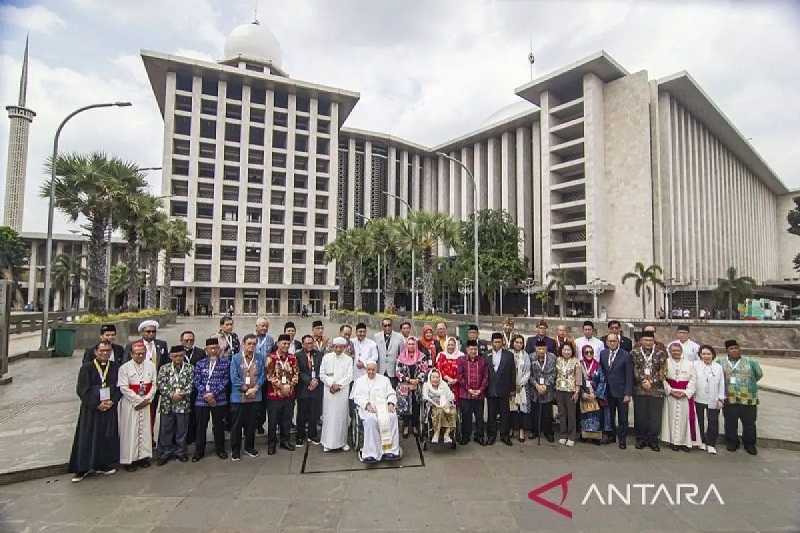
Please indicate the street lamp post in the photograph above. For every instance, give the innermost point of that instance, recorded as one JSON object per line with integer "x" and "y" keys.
{"x": 50, "y": 211}
{"x": 413, "y": 298}
{"x": 596, "y": 287}
{"x": 465, "y": 288}
{"x": 475, "y": 204}
{"x": 529, "y": 288}
{"x": 502, "y": 285}
{"x": 670, "y": 287}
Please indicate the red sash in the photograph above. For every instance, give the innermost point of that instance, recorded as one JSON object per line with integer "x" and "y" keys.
{"x": 135, "y": 388}
{"x": 681, "y": 385}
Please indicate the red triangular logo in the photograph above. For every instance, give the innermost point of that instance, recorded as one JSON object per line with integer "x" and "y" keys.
{"x": 563, "y": 482}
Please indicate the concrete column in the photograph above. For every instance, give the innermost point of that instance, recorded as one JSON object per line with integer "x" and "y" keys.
{"x": 443, "y": 192}
{"x": 523, "y": 189}
{"x": 404, "y": 177}
{"x": 493, "y": 177}
{"x": 546, "y": 218}
{"x": 508, "y": 179}
{"x": 367, "y": 179}
{"x": 467, "y": 192}
{"x": 32, "y": 281}
{"x": 594, "y": 150}
{"x": 351, "y": 180}
{"x": 429, "y": 203}
{"x": 391, "y": 181}
{"x": 416, "y": 184}
{"x": 219, "y": 163}
{"x": 454, "y": 173}
{"x": 533, "y": 246}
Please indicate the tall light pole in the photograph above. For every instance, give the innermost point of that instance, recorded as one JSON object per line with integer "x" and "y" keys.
{"x": 670, "y": 286}
{"x": 596, "y": 287}
{"x": 51, "y": 207}
{"x": 378, "y": 309}
{"x": 475, "y": 204}
{"x": 502, "y": 285}
{"x": 465, "y": 288}
{"x": 413, "y": 287}
{"x": 529, "y": 288}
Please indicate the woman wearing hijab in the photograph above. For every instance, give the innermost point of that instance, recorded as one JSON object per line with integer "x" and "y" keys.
{"x": 443, "y": 407}
{"x": 594, "y": 411}
{"x": 518, "y": 401}
{"x": 427, "y": 343}
{"x": 412, "y": 368}
{"x": 447, "y": 364}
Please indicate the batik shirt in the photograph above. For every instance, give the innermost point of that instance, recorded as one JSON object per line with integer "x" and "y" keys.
{"x": 656, "y": 364}
{"x": 170, "y": 380}
{"x": 741, "y": 380}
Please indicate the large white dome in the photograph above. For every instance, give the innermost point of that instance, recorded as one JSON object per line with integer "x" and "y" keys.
{"x": 508, "y": 111}
{"x": 255, "y": 41}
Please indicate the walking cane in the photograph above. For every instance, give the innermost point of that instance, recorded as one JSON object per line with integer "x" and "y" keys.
{"x": 539, "y": 426}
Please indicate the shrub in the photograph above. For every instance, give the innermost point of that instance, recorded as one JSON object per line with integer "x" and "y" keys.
{"x": 99, "y": 319}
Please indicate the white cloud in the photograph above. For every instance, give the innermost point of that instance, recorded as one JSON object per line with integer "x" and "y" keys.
{"x": 35, "y": 18}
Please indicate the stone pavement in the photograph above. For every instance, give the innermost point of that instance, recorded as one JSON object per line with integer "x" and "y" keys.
{"x": 471, "y": 488}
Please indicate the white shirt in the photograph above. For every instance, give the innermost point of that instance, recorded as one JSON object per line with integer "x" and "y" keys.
{"x": 496, "y": 358}
{"x": 364, "y": 351}
{"x": 710, "y": 383}
{"x": 596, "y": 344}
{"x": 691, "y": 350}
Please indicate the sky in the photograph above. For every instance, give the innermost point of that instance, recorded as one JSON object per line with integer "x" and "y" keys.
{"x": 426, "y": 71}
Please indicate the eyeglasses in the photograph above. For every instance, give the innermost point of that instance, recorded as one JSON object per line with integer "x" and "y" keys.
{"x": 387, "y": 325}
{"x": 589, "y": 352}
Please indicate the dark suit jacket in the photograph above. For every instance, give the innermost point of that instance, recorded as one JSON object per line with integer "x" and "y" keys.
{"x": 161, "y": 348}
{"x": 530, "y": 345}
{"x": 619, "y": 376}
{"x": 195, "y": 355}
{"x": 119, "y": 351}
{"x": 504, "y": 381}
{"x": 624, "y": 342}
{"x": 305, "y": 374}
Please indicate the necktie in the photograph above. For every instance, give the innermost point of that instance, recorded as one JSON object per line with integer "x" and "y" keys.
{"x": 611, "y": 359}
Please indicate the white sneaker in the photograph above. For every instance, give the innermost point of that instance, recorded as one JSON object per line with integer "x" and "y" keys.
{"x": 711, "y": 450}
{"x": 702, "y": 446}
{"x": 346, "y": 448}
{"x": 325, "y": 450}
{"x": 109, "y": 472}
{"x": 562, "y": 441}
{"x": 570, "y": 443}
{"x": 448, "y": 440}
{"x": 79, "y": 477}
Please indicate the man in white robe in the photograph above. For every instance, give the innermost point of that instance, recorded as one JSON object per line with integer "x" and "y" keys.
{"x": 376, "y": 401}
{"x": 679, "y": 426}
{"x": 364, "y": 351}
{"x": 137, "y": 383}
{"x": 336, "y": 373}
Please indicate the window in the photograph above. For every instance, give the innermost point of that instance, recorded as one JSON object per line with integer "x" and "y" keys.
{"x": 178, "y": 209}
{"x": 299, "y": 218}
{"x": 301, "y": 124}
{"x": 252, "y": 254}
{"x": 205, "y": 170}
{"x": 323, "y": 146}
{"x": 257, "y": 116}
{"x": 208, "y": 128}
{"x": 252, "y": 274}
{"x": 279, "y": 179}
{"x": 255, "y": 175}
{"x": 320, "y": 276}
{"x": 230, "y": 173}
{"x": 180, "y": 167}
{"x": 205, "y": 190}
{"x": 278, "y": 160}
{"x": 258, "y": 96}
{"x": 210, "y": 87}
{"x": 254, "y": 196}
{"x": 231, "y": 153}
{"x": 208, "y": 150}
{"x": 275, "y": 275}
{"x": 323, "y": 106}
{"x": 230, "y": 233}
{"x": 298, "y": 237}
{"x": 253, "y": 215}
{"x": 227, "y": 274}
{"x": 255, "y": 157}
{"x": 275, "y": 217}
{"x": 183, "y": 125}
{"x": 298, "y": 275}
{"x": 281, "y": 99}
{"x": 276, "y": 255}
{"x": 298, "y": 256}
{"x": 321, "y": 239}
{"x": 321, "y": 202}
{"x": 180, "y": 146}
{"x": 321, "y": 220}
{"x": 230, "y": 193}
{"x": 233, "y": 111}
{"x": 301, "y": 143}
{"x": 281, "y": 119}
{"x": 234, "y": 90}
{"x": 300, "y": 200}
{"x": 230, "y": 213}
{"x": 208, "y": 107}
{"x": 256, "y": 136}
{"x": 203, "y": 252}
{"x": 183, "y": 81}
{"x": 322, "y": 184}
{"x": 319, "y": 257}
{"x": 183, "y": 103}
{"x": 202, "y": 273}
{"x": 203, "y": 231}
{"x": 233, "y": 132}
{"x": 300, "y": 182}
{"x": 301, "y": 162}
{"x": 279, "y": 139}
{"x": 322, "y": 166}
{"x": 253, "y": 235}
{"x": 323, "y": 126}
{"x": 204, "y": 211}
{"x": 227, "y": 253}
{"x": 278, "y": 198}
{"x": 302, "y": 103}
{"x": 180, "y": 188}
{"x": 276, "y": 236}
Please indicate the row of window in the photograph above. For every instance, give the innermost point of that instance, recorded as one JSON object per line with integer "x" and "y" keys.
{"x": 257, "y": 116}
{"x": 233, "y": 91}
{"x": 252, "y": 254}
{"x": 227, "y": 274}
{"x": 256, "y": 136}
{"x": 230, "y": 193}
{"x": 253, "y": 215}
{"x": 276, "y": 235}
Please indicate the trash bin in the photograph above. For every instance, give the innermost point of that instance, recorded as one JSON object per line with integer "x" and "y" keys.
{"x": 462, "y": 334}
{"x": 63, "y": 341}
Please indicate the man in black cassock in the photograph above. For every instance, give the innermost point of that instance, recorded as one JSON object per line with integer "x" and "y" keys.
{"x": 108, "y": 332}
{"x": 96, "y": 445}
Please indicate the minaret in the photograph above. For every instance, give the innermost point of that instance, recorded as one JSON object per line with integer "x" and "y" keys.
{"x": 20, "y": 118}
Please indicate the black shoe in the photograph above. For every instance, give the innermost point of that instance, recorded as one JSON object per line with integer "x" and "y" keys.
{"x": 196, "y": 458}
{"x": 299, "y": 441}
{"x": 507, "y": 441}
{"x": 251, "y": 453}
{"x": 751, "y": 450}
{"x": 260, "y": 430}
{"x": 271, "y": 449}
{"x": 612, "y": 439}
{"x": 604, "y": 440}
{"x": 222, "y": 455}
{"x": 162, "y": 461}
{"x": 463, "y": 442}
{"x": 550, "y": 438}
{"x": 144, "y": 463}
{"x": 655, "y": 447}
{"x": 481, "y": 441}
{"x": 622, "y": 445}
{"x": 674, "y": 447}
{"x": 131, "y": 468}
{"x": 685, "y": 449}
{"x": 732, "y": 448}
{"x": 491, "y": 440}
{"x": 235, "y": 457}
{"x": 183, "y": 458}
{"x": 639, "y": 444}
{"x": 287, "y": 446}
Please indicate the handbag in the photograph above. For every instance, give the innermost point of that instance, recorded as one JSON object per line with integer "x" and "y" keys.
{"x": 589, "y": 406}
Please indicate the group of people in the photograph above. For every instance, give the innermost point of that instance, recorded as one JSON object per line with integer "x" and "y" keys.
{"x": 147, "y": 397}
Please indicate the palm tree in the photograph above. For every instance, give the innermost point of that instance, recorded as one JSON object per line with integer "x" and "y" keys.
{"x": 385, "y": 239}
{"x": 67, "y": 273}
{"x": 118, "y": 283}
{"x": 560, "y": 282}
{"x": 152, "y": 238}
{"x": 13, "y": 255}
{"x": 93, "y": 186}
{"x": 335, "y": 251}
{"x": 642, "y": 277}
{"x": 422, "y": 232}
{"x": 347, "y": 250}
{"x": 734, "y": 288}
{"x": 176, "y": 244}
{"x": 137, "y": 215}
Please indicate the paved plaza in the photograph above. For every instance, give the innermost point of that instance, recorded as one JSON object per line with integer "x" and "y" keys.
{"x": 469, "y": 489}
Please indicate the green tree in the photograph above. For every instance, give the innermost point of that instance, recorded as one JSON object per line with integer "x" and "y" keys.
{"x": 118, "y": 283}
{"x": 384, "y": 238}
{"x": 643, "y": 278}
{"x": 178, "y": 244}
{"x": 347, "y": 250}
{"x": 794, "y": 226}
{"x": 67, "y": 273}
{"x": 93, "y": 186}
{"x": 152, "y": 237}
{"x": 136, "y": 216}
{"x": 498, "y": 252}
{"x": 422, "y": 232}
{"x": 734, "y": 289}
{"x": 13, "y": 255}
{"x": 560, "y": 282}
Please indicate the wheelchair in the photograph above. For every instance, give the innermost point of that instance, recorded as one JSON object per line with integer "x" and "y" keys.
{"x": 426, "y": 430}
{"x": 355, "y": 437}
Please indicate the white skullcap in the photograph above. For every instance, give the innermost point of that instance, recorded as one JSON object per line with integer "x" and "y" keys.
{"x": 339, "y": 341}
{"x": 373, "y": 363}
{"x": 148, "y": 323}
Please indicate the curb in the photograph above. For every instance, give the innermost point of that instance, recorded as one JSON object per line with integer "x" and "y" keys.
{"x": 779, "y": 390}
